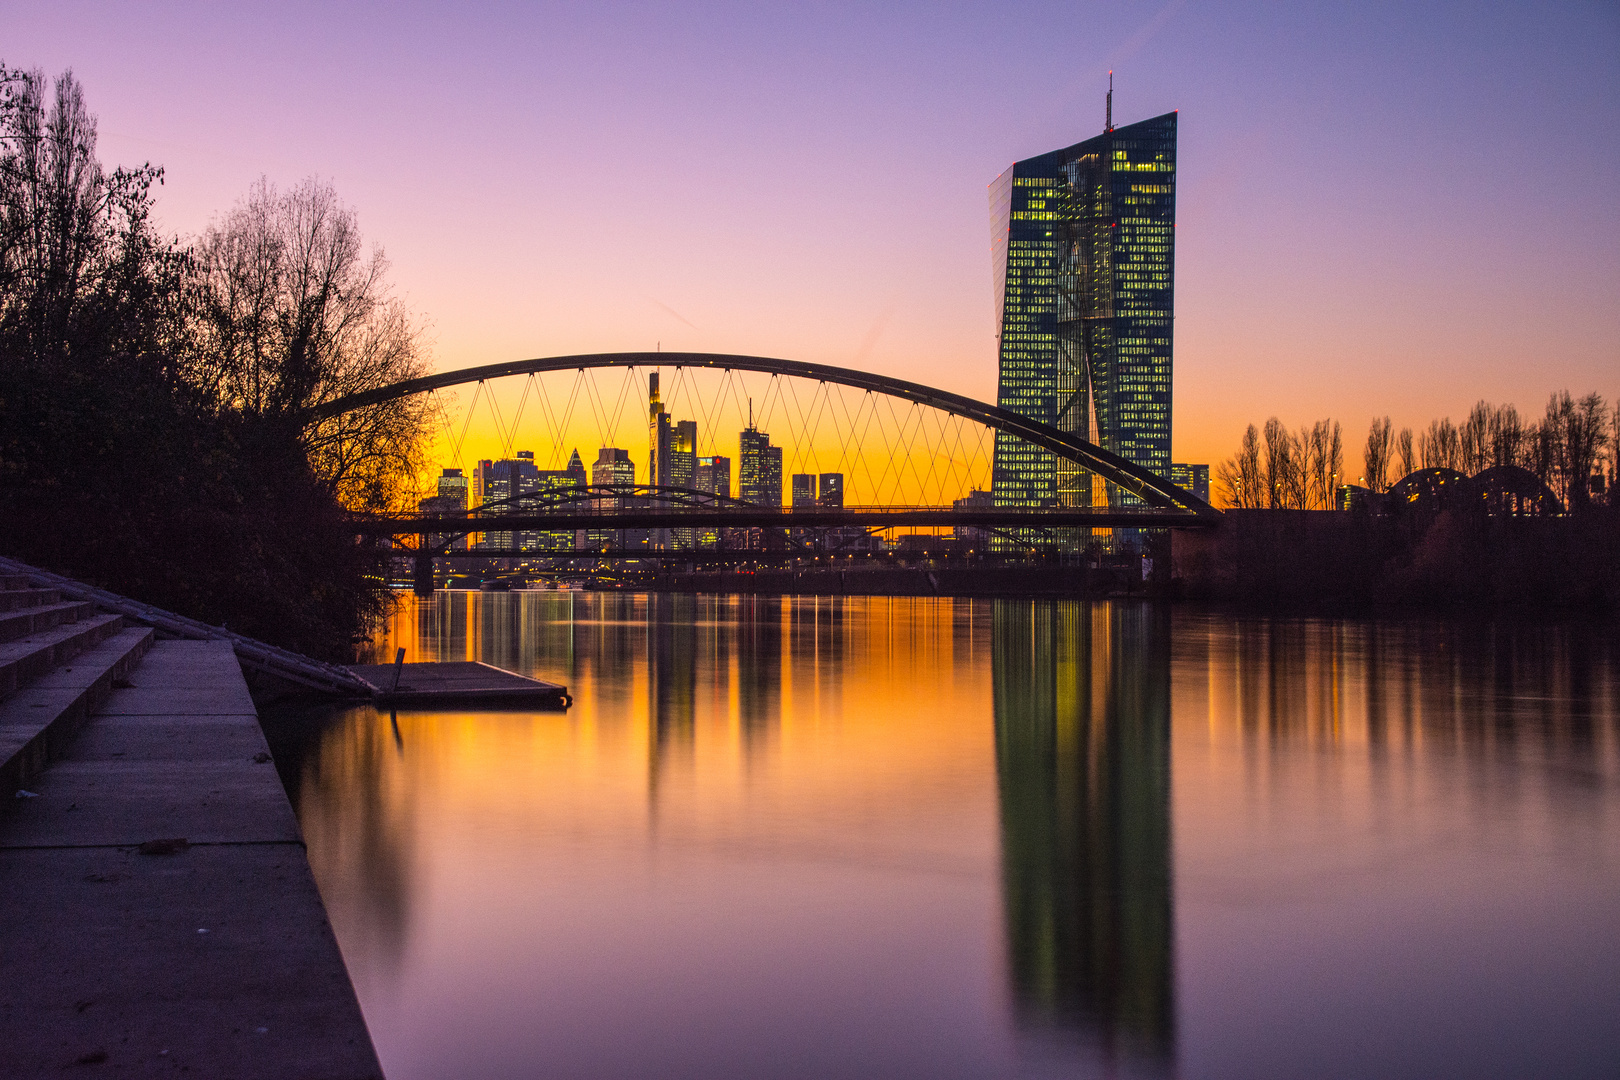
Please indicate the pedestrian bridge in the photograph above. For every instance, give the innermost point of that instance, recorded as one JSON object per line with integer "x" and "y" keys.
{"x": 911, "y": 455}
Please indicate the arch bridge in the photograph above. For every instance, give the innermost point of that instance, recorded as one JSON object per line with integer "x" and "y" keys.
{"x": 924, "y": 452}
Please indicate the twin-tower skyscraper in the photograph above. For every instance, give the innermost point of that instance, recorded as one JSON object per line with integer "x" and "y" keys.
{"x": 1083, "y": 248}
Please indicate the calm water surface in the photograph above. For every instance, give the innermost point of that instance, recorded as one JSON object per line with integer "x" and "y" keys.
{"x": 869, "y": 837}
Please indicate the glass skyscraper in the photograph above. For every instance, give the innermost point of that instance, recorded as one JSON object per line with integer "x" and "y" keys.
{"x": 1083, "y": 247}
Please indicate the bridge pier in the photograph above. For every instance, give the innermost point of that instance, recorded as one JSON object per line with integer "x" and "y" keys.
{"x": 423, "y": 583}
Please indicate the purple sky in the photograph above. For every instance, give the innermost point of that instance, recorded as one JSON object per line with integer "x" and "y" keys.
{"x": 1394, "y": 208}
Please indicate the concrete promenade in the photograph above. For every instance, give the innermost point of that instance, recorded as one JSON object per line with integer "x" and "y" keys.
{"x": 211, "y": 957}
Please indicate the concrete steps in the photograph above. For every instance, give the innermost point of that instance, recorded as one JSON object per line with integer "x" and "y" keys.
{"x": 59, "y": 661}
{"x": 22, "y": 597}
{"x": 41, "y": 617}
{"x": 31, "y": 657}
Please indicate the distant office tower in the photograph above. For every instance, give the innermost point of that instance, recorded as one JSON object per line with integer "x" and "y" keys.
{"x": 1083, "y": 247}
{"x": 613, "y": 466}
{"x": 453, "y": 485}
{"x": 804, "y": 489}
{"x": 973, "y": 537}
{"x": 519, "y": 486}
{"x": 759, "y": 468}
{"x": 451, "y": 499}
{"x": 554, "y": 481}
{"x": 492, "y": 482}
{"x": 830, "y": 494}
{"x": 714, "y": 475}
{"x": 1193, "y": 478}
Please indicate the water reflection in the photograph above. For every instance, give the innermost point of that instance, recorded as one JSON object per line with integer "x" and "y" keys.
{"x": 1082, "y": 716}
{"x": 923, "y": 837}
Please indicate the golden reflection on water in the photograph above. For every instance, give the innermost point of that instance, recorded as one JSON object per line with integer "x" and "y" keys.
{"x": 903, "y": 836}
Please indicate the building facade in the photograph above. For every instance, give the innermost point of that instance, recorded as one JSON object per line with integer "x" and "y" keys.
{"x": 759, "y": 468}
{"x": 1083, "y": 252}
{"x": 1193, "y": 478}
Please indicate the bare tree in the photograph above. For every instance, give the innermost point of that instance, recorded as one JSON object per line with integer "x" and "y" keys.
{"x": 1506, "y": 435}
{"x": 1476, "y": 440}
{"x": 77, "y": 251}
{"x": 1576, "y": 433}
{"x": 1439, "y": 447}
{"x": 1376, "y": 458}
{"x": 297, "y": 314}
{"x": 1336, "y": 461}
{"x": 1242, "y": 476}
{"x": 1323, "y": 454}
{"x": 1407, "y": 463}
{"x": 1279, "y": 463}
{"x": 1614, "y": 454}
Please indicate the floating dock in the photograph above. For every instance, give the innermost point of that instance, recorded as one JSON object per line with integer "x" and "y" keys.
{"x": 463, "y": 682}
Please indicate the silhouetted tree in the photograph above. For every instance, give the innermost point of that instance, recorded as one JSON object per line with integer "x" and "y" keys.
{"x": 1242, "y": 475}
{"x": 131, "y": 453}
{"x": 1376, "y": 456}
{"x": 1476, "y": 439}
{"x": 1440, "y": 447}
{"x": 1406, "y": 460}
{"x": 295, "y": 314}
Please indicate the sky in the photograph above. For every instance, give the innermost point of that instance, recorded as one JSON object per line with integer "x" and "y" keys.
{"x": 1383, "y": 208}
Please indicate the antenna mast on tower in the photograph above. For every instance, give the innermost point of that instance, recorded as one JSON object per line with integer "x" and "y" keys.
{"x": 1108, "y": 119}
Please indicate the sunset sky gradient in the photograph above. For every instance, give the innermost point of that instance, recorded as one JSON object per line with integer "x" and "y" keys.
{"x": 1388, "y": 207}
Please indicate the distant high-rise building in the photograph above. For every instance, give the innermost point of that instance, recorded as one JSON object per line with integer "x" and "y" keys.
{"x": 493, "y": 482}
{"x": 804, "y": 489}
{"x": 673, "y": 447}
{"x": 1193, "y": 478}
{"x": 759, "y": 468}
{"x": 1083, "y": 247}
{"x": 973, "y": 537}
{"x": 613, "y": 466}
{"x": 518, "y": 485}
{"x": 714, "y": 475}
{"x": 453, "y": 485}
{"x": 451, "y": 499}
{"x": 830, "y": 493}
{"x": 673, "y": 444}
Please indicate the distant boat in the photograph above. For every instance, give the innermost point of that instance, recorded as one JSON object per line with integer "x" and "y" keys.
{"x": 495, "y": 585}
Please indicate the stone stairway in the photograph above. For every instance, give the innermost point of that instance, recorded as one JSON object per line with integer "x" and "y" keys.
{"x": 59, "y": 660}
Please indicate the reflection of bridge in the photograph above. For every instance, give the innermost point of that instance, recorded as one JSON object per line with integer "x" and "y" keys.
{"x": 613, "y": 507}
{"x": 1129, "y": 485}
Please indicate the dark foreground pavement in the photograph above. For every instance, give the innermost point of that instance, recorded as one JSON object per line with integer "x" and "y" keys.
{"x": 212, "y": 958}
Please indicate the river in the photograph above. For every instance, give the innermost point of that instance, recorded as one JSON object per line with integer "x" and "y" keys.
{"x": 924, "y": 837}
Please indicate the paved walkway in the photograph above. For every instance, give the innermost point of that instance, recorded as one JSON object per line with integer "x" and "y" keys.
{"x": 209, "y": 958}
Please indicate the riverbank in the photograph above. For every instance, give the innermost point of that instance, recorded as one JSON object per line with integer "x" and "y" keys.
{"x": 1451, "y": 561}
{"x": 161, "y": 916}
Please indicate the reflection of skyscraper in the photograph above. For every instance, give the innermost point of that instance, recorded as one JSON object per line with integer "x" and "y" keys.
{"x": 671, "y": 682}
{"x": 1083, "y": 762}
{"x": 759, "y": 671}
{"x": 1083, "y": 247}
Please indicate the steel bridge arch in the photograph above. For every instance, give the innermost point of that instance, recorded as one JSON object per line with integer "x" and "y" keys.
{"x": 1145, "y": 484}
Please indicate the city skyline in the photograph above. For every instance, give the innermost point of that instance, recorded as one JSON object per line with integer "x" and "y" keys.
{"x": 1300, "y": 294}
